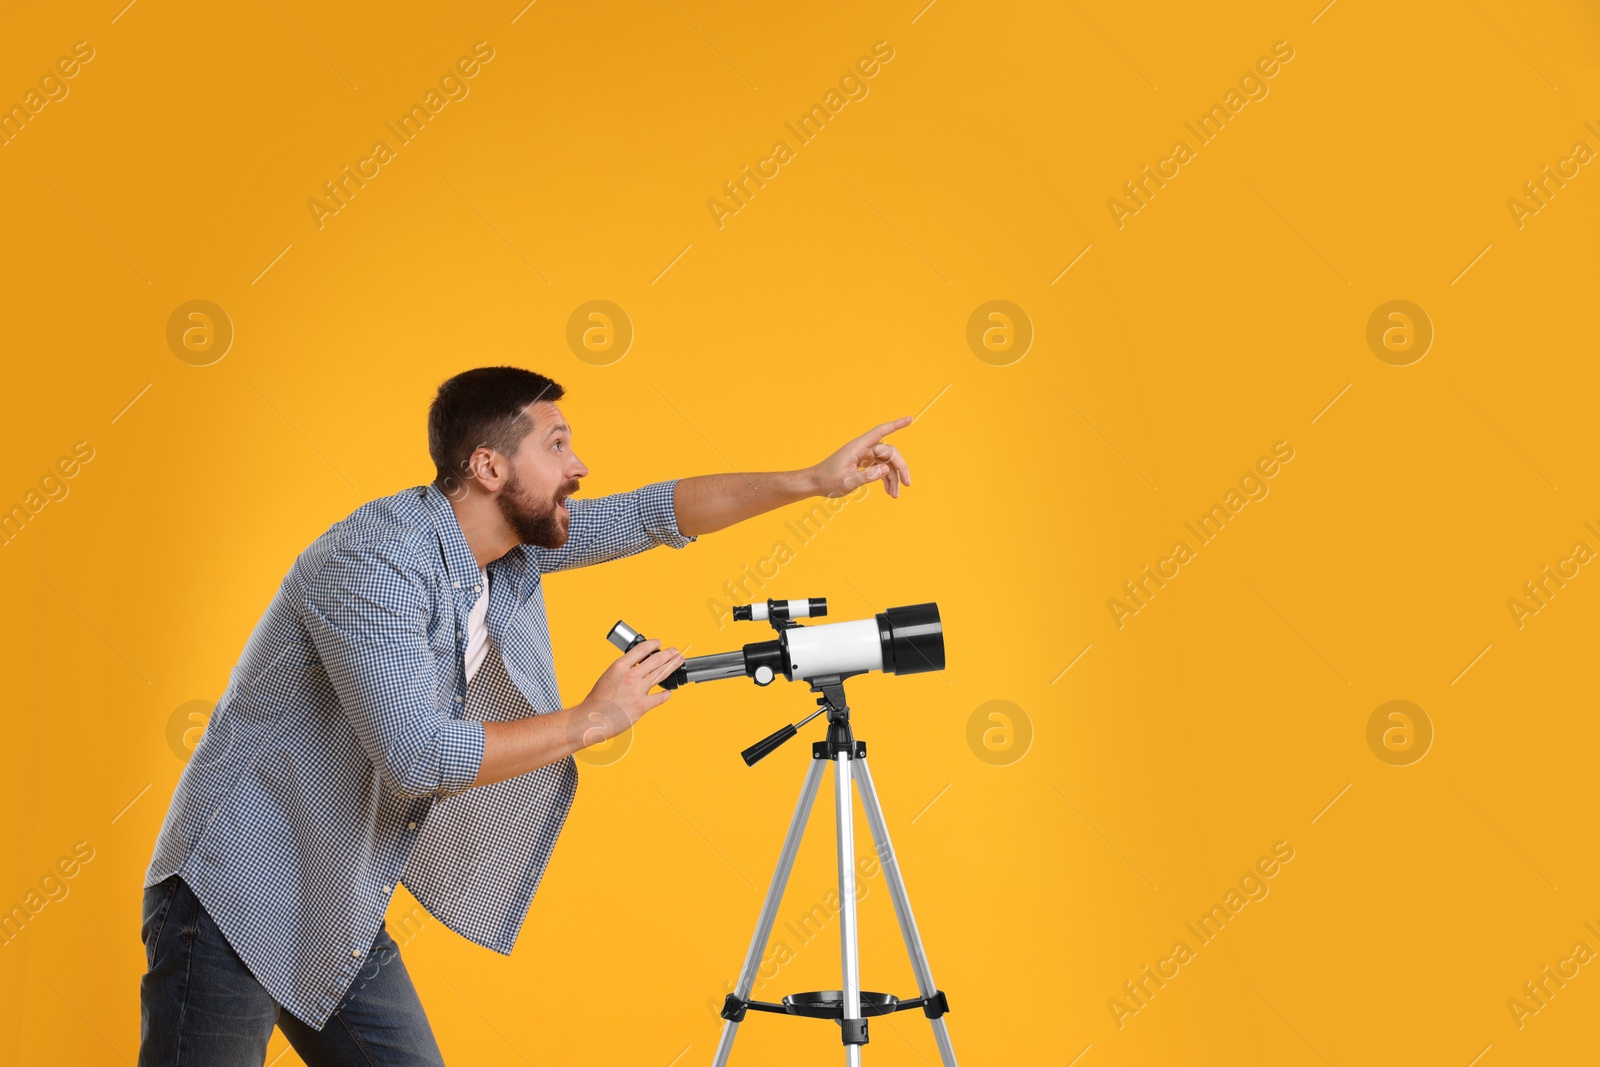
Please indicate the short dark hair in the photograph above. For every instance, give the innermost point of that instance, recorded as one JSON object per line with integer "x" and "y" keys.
{"x": 482, "y": 407}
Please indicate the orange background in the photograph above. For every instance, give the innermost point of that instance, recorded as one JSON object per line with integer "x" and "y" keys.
{"x": 1140, "y": 771}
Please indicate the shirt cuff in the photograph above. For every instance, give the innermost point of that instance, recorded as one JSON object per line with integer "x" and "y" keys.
{"x": 661, "y": 515}
{"x": 461, "y": 749}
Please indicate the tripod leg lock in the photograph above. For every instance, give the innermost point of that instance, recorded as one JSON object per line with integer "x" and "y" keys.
{"x": 733, "y": 1008}
{"x": 855, "y": 1031}
{"x": 936, "y": 1005}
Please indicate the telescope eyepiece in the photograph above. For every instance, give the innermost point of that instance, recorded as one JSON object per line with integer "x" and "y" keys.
{"x": 624, "y": 636}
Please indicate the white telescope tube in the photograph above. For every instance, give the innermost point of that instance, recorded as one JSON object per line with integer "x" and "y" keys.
{"x": 837, "y": 648}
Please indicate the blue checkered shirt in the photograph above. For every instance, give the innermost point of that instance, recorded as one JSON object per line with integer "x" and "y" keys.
{"x": 337, "y": 764}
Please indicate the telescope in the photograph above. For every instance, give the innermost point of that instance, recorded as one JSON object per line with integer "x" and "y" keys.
{"x": 906, "y": 640}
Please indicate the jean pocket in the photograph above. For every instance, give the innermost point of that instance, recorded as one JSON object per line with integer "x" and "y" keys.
{"x": 157, "y": 905}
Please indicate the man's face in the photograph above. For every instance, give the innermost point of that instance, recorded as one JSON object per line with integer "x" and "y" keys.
{"x": 543, "y": 473}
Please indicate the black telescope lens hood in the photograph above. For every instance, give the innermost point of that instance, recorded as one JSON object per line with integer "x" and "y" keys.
{"x": 912, "y": 638}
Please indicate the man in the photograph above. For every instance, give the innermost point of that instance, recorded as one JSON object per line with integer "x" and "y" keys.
{"x": 394, "y": 719}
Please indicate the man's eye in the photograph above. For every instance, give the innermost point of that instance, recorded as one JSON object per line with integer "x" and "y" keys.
{"x": 557, "y": 446}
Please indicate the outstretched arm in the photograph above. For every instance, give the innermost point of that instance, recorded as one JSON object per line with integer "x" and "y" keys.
{"x": 712, "y": 502}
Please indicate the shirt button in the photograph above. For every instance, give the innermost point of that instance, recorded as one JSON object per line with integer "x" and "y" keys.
{"x": 388, "y": 889}
{"x": 458, "y": 700}
{"x": 355, "y": 953}
{"x": 411, "y": 826}
{"x": 456, "y": 584}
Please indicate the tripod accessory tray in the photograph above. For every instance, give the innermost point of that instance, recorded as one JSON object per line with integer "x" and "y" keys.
{"x": 829, "y": 1003}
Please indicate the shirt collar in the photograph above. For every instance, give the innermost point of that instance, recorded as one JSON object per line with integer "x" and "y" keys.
{"x": 459, "y": 562}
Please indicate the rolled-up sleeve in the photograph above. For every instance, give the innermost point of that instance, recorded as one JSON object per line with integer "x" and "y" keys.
{"x": 613, "y": 527}
{"x": 367, "y": 612}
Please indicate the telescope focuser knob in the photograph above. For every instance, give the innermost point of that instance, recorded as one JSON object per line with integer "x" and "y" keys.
{"x": 764, "y": 675}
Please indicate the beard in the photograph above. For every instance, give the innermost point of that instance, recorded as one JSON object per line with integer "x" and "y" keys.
{"x": 536, "y": 522}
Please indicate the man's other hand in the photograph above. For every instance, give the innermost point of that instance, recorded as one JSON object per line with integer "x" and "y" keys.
{"x": 863, "y": 460}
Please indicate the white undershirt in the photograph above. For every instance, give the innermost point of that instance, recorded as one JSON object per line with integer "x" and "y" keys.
{"x": 478, "y": 627}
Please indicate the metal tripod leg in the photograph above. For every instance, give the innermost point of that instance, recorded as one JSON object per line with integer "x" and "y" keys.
{"x": 902, "y": 905}
{"x": 769, "y": 909}
{"x": 844, "y": 814}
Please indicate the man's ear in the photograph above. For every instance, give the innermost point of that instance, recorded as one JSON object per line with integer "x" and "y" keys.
{"x": 488, "y": 468}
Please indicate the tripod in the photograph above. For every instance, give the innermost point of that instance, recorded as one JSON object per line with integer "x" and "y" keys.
{"x": 849, "y": 1007}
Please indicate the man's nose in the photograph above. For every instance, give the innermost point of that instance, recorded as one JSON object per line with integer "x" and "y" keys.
{"x": 577, "y": 470}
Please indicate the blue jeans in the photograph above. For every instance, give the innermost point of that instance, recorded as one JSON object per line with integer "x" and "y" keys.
{"x": 201, "y": 1007}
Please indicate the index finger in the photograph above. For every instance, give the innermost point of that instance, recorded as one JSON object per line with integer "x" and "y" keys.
{"x": 638, "y": 652}
{"x": 879, "y": 432}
